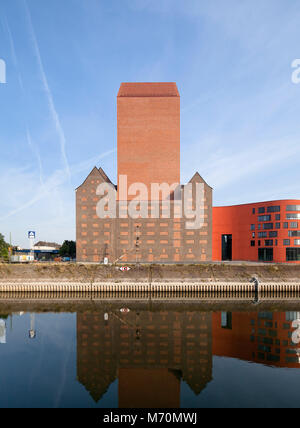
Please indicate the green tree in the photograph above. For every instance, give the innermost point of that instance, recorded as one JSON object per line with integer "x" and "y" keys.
{"x": 68, "y": 249}
{"x": 3, "y": 248}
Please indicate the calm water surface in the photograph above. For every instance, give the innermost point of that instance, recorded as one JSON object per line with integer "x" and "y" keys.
{"x": 124, "y": 356}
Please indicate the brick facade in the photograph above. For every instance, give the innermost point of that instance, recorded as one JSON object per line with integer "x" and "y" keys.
{"x": 149, "y": 133}
{"x": 148, "y": 152}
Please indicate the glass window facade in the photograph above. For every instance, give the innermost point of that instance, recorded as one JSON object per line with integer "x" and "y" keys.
{"x": 274, "y": 209}
{"x": 268, "y": 226}
{"x": 292, "y": 254}
{"x": 293, "y": 216}
{"x": 264, "y": 218}
{"x": 294, "y": 233}
{"x": 273, "y": 234}
{"x": 265, "y": 254}
{"x": 287, "y": 242}
{"x": 262, "y": 234}
{"x": 269, "y": 242}
{"x": 261, "y": 210}
{"x": 293, "y": 208}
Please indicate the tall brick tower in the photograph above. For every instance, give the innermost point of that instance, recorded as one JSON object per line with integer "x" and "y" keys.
{"x": 149, "y": 133}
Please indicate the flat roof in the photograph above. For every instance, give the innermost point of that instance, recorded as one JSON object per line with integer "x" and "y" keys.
{"x": 278, "y": 201}
{"x": 148, "y": 89}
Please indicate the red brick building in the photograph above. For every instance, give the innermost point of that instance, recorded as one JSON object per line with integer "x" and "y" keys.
{"x": 265, "y": 231}
{"x": 148, "y": 123}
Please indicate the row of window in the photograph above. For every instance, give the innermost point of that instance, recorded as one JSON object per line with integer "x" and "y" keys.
{"x": 269, "y": 226}
{"x": 274, "y": 234}
{"x": 268, "y": 217}
{"x": 266, "y": 254}
{"x": 293, "y": 208}
{"x": 271, "y": 242}
{"x": 294, "y": 233}
{"x": 272, "y": 209}
{"x": 276, "y": 209}
{"x": 288, "y": 242}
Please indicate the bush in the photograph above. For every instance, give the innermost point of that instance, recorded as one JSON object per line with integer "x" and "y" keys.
{"x": 3, "y": 249}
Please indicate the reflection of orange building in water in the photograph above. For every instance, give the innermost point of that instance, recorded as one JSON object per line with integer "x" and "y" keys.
{"x": 149, "y": 352}
{"x": 261, "y": 337}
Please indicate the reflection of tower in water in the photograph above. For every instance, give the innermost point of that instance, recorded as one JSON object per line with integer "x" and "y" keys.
{"x": 149, "y": 352}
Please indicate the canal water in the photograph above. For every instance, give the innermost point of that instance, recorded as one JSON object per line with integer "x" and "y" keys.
{"x": 165, "y": 355}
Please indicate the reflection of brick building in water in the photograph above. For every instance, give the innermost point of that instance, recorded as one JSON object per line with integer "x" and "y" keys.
{"x": 149, "y": 352}
{"x": 261, "y": 337}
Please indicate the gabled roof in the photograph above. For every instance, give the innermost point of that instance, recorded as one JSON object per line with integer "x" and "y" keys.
{"x": 148, "y": 89}
{"x": 105, "y": 178}
{"x": 97, "y": 173}
{"x": 197, "y": 178}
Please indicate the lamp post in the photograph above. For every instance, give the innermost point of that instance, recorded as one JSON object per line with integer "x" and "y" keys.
{"x": 32, "y": 331}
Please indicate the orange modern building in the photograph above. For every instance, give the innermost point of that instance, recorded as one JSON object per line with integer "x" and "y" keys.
{"x": 265, "y": 231}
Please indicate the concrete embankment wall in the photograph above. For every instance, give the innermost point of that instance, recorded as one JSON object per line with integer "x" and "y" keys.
{"x": 203, "y": 278}
{"x": 163, "y": 287}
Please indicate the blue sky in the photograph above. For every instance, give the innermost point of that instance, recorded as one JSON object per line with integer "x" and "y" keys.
{"x": 66, "y": 59}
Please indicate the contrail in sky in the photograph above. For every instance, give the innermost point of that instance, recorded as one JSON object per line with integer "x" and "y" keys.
{"x": 54, "y": 181}
{"x": 13, "y": 50}
{"x": 51, "y": 104}
{"x": 35, "y": 150}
